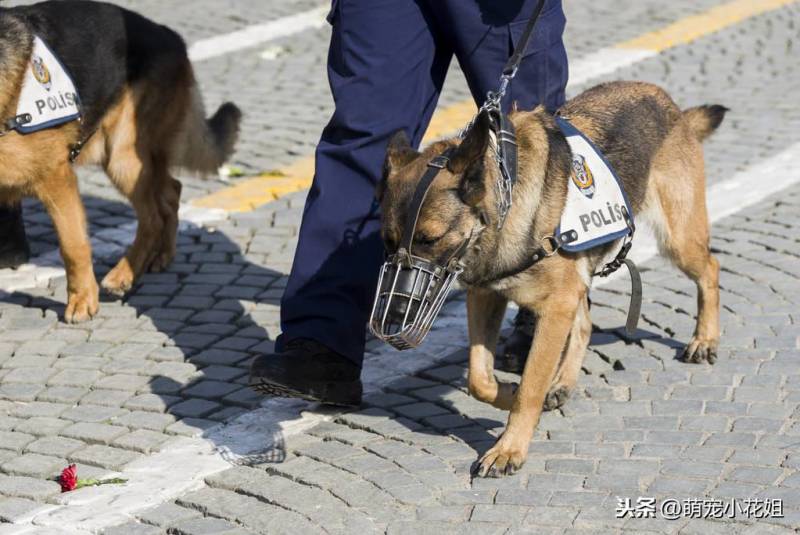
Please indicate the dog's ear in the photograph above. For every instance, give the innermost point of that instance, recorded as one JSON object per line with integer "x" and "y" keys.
{"x": 399, "y": 153}
{"x": 468, "y": 160}
{"x": 474, "y": 146}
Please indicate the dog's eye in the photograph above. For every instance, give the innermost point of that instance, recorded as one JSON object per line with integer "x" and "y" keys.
{"x": 424, "y": 239}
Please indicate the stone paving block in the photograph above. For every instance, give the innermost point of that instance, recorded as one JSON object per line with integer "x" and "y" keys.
{"x": 38, "y": 408}
{"x": 28, "y": 487}
{"x": 121, "y": 381}
{"x": 29, "y": 375}
{"x": 219, "y": 357}
{"x": 104, "y": 457}
{"x": 15, "y": 509}
{"x": 191, "y": 427}
{"x": 94, "y": 433}
{"x": 419, "y": 410}
{"x": 222, "y": 373}
{"x": 146, "y": 420}
{"x": 34, "y": 465}
{"x": 211, "y": 389}
{"x": 731, "y": 439}
{"x": 133, "y": 528}
{"x": 106, "y": 398}
{"x": 142, "y": 440}
{"x": 45, "y": 348}
{"x": 245, "y": 397}
{"x": 167, "y": 515}
{"x": 92, "y": 364}
{"x": 151, "y": 402}
{"x": 207, "y": 526}
{"x": 75, "y": 378}
{"x": 20, "y": 392}
{"x": 758, "y": 475}
{"x": 10, "y": 440}
{"x": 42, "y": 426}
{"x": 54, "y": 446}
{"x": 550, "y": 516}
{"x": 63, "y": 394}
{"x": 92, "y": 413}
{"x": 194, "y": 408}
{"x": 670, "y": 487}
{"x": 8, "y": 423}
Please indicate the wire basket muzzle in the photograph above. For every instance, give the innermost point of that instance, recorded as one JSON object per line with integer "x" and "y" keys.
{"x": 411, "y": 293}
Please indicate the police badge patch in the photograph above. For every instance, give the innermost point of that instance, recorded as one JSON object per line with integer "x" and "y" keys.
{"x": 48, "y": 93}
{"x": 596, "y": 203}
{"x": 582, "y": 175}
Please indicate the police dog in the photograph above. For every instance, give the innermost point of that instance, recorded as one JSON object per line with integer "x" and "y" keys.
{"x": 656, "y": 150}
{"x": 142, "y": 115}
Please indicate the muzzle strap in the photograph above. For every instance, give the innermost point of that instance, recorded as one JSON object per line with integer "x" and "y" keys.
{"x": 435, "y": 166}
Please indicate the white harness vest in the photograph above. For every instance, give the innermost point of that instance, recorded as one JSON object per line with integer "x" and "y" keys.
{"x": 596, "y": 202}
{"x": 48, "y": 97}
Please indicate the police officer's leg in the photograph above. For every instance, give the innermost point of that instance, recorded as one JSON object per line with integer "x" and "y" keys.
{"x": 386, "y": 68}
{"x": 14, "y": 250}
{"x": 484, "y": 34}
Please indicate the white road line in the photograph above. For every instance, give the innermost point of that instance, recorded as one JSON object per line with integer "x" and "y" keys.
{"x": 258, "y": 34}
{"x": 603, "y": 62}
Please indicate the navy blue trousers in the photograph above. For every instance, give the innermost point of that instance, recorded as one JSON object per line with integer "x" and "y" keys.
{"x": 387, "y": 63}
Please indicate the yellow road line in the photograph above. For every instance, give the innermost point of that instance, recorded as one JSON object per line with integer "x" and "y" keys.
{"x": 693, "y": 27}
{"x": 252, "y": 193}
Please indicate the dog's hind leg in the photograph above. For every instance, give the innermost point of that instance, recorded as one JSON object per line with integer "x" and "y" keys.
{"x": 485, "y": 310}
{"x": 168, "y": 199}
{"x": 683, "y": 232}
{"x": 138, "y": 166}
{"x": 571, "y": 361}
{"x": 59, "y": 194}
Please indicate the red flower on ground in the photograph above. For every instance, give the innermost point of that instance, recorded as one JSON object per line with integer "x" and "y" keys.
{"x": 69, "y": 478}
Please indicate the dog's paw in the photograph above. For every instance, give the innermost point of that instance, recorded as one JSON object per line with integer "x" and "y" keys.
{"x": 161, "y": 261}
{"x": 502, "y": 460}
{"x": 556, "y": 398}
{"x": 701, "y": 350}
{"x": 119, "y": 280}
{"x": 82, "y": 306}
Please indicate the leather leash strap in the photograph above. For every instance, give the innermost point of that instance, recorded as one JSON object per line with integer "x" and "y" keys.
{"x": 515, "y": 60}
{"x": 435, "y": 166}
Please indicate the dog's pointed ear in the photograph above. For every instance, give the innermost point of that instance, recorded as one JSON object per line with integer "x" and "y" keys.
{"x": 399, "y": 152}
{"x": 474, "y": 146}
{"x": 468, "y": 161}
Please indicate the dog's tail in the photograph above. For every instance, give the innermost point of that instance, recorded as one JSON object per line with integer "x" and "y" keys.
{"x": 206, "y": 144}
{"x": 704, "y": 120}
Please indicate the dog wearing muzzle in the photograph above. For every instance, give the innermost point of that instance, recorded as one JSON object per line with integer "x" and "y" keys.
{"x": 442, "y": 221}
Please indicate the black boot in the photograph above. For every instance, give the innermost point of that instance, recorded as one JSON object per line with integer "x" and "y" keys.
{"x": 14, "y": 249}
{"x": 514, "y": 353}
{"x": 308, "y": 370}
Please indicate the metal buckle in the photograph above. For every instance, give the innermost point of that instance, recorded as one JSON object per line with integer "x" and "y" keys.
{"x": 439, "y": 162}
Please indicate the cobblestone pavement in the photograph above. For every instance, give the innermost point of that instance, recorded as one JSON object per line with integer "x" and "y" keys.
{"x": 169, "y": 363}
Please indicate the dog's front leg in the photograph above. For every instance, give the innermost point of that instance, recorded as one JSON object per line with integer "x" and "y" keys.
{"x": 60, "y": 196}
{"x": 485, "y": 311}
{"x": 555, "y": 318}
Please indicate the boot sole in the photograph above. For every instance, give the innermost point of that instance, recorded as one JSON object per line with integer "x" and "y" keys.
{"x": 339, "y": 394}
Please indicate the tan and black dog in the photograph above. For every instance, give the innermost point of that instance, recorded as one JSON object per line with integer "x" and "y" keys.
{"x": 655, "y": 149}
{"x": 142, "y": 115}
